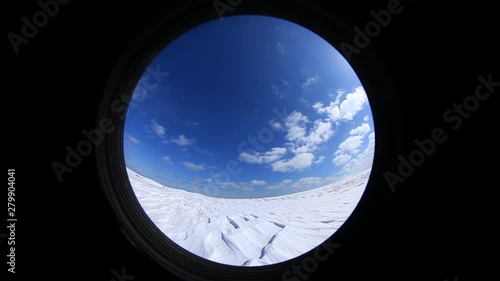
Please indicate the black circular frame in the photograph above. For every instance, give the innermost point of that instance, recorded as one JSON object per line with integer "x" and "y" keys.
{"x": 164, "y": 27}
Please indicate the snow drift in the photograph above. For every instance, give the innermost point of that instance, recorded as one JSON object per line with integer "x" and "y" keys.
{"x": 249, "y": 232}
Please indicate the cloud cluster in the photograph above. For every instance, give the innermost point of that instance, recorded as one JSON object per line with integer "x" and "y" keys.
{"x": 348, "y": 154}
{"x": 167, "y": 159}
{"x": 263, "y": 157}
{"x": 158, "y": 129}
{"x": 246, "y": 185}
{"x": 345, "y": 110}
{"x": 183, "y": 141}
{"x": 301, "y": 143}
{"x": 193, "y": 166}
{"x": 304, "y": 137}
{"x": 132, "y": 139}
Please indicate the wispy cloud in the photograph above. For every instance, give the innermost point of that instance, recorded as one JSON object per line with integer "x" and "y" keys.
{"x": 132, "y": 139}
{"x": 248, "y": 186}
{"x": 282, "y": 184}
{"x": 312, "y": 182}
{"x": 306, "y": 88}
{"x": 203, "y": 151}
{"x": 277, "y": 92}
{"x": 192, "y": 123}
{"x": 167, "y": 159}
{"x": 280, "y": 48}
{"x": 309, "y": 82}
{"x": 320, "y": 160}
{"x": 276, "y": 125}
{"x": 183, "y": 141}
{"x": 194, "y": 167}
{"x": 258, "y": 182}
{"x": 158, "y": 129}
{"x": 263, "y": 157}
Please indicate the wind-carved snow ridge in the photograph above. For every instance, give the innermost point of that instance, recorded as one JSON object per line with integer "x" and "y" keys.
{"x": 249, "y": 232}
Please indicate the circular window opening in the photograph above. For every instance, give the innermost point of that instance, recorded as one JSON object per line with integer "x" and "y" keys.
{"x": 249, "y": 141}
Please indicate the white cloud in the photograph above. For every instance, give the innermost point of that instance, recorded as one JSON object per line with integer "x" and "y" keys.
{"x": 285, "y": 82}
{"x": 272, "y": 187}
{"x": 208, "y": 180}
{"x": 312, "y": 182}
{"x": 193, "y": 166}
{"x": 297, "y": 163}
{"x": 167, "y": 159}
{"x": 341, "y": 159}
{"x": 157, "y": 128}
{"x": 295, "y": 123}
{"x": 299, "y": 139}
{"x": 332, "y": 110}
{"x": 364, "y": 160}
{"x": 263, "y": 157}
{"x": 276, "y": 91}
{"x": 320, "y": 160}
{"x": 366, "y": 118}
{"x": 258, "y": 182}
{"x": 363, "y": 129}
{"x": 303, "y": 183}
{"x": 192, "y": 123}
{"x": 280, "y": 48}
{"x": 345, "y": 110}
{"x": 353, "y": 103}
{"x": 308, "y": 181}
{"x": 318, "y": 106}
{"x": 183, "y": 141}
{"x": 321, "y": 132}
{"x": 140, "y": 93}
{"x": 203, "y": 151}
{"x": 351, "y": 144}
{"x": 276, "y": 125}
{"x": 133, "y": 140}
{"x": 239, "y": 185}
{"x": 280, "y": 185}
{"x": 309, "y": 82}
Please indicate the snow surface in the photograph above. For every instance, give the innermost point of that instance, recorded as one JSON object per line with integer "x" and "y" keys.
{"x": 249, "y": 232}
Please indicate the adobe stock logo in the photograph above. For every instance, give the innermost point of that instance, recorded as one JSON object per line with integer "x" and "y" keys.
{"x": 31, "y": 26}
{"x": 94, "y": 137}
{"x": 310, "y": 263}
{"x": 371, "y": 30}
{"x": 222, "y": 7}
{"x": 454, "y": 118}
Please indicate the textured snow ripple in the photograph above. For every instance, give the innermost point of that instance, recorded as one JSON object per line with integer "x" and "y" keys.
{"x": 249, "y": 232}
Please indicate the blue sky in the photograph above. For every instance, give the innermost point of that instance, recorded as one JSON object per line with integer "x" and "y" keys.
{"x": 252, "y": 106}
